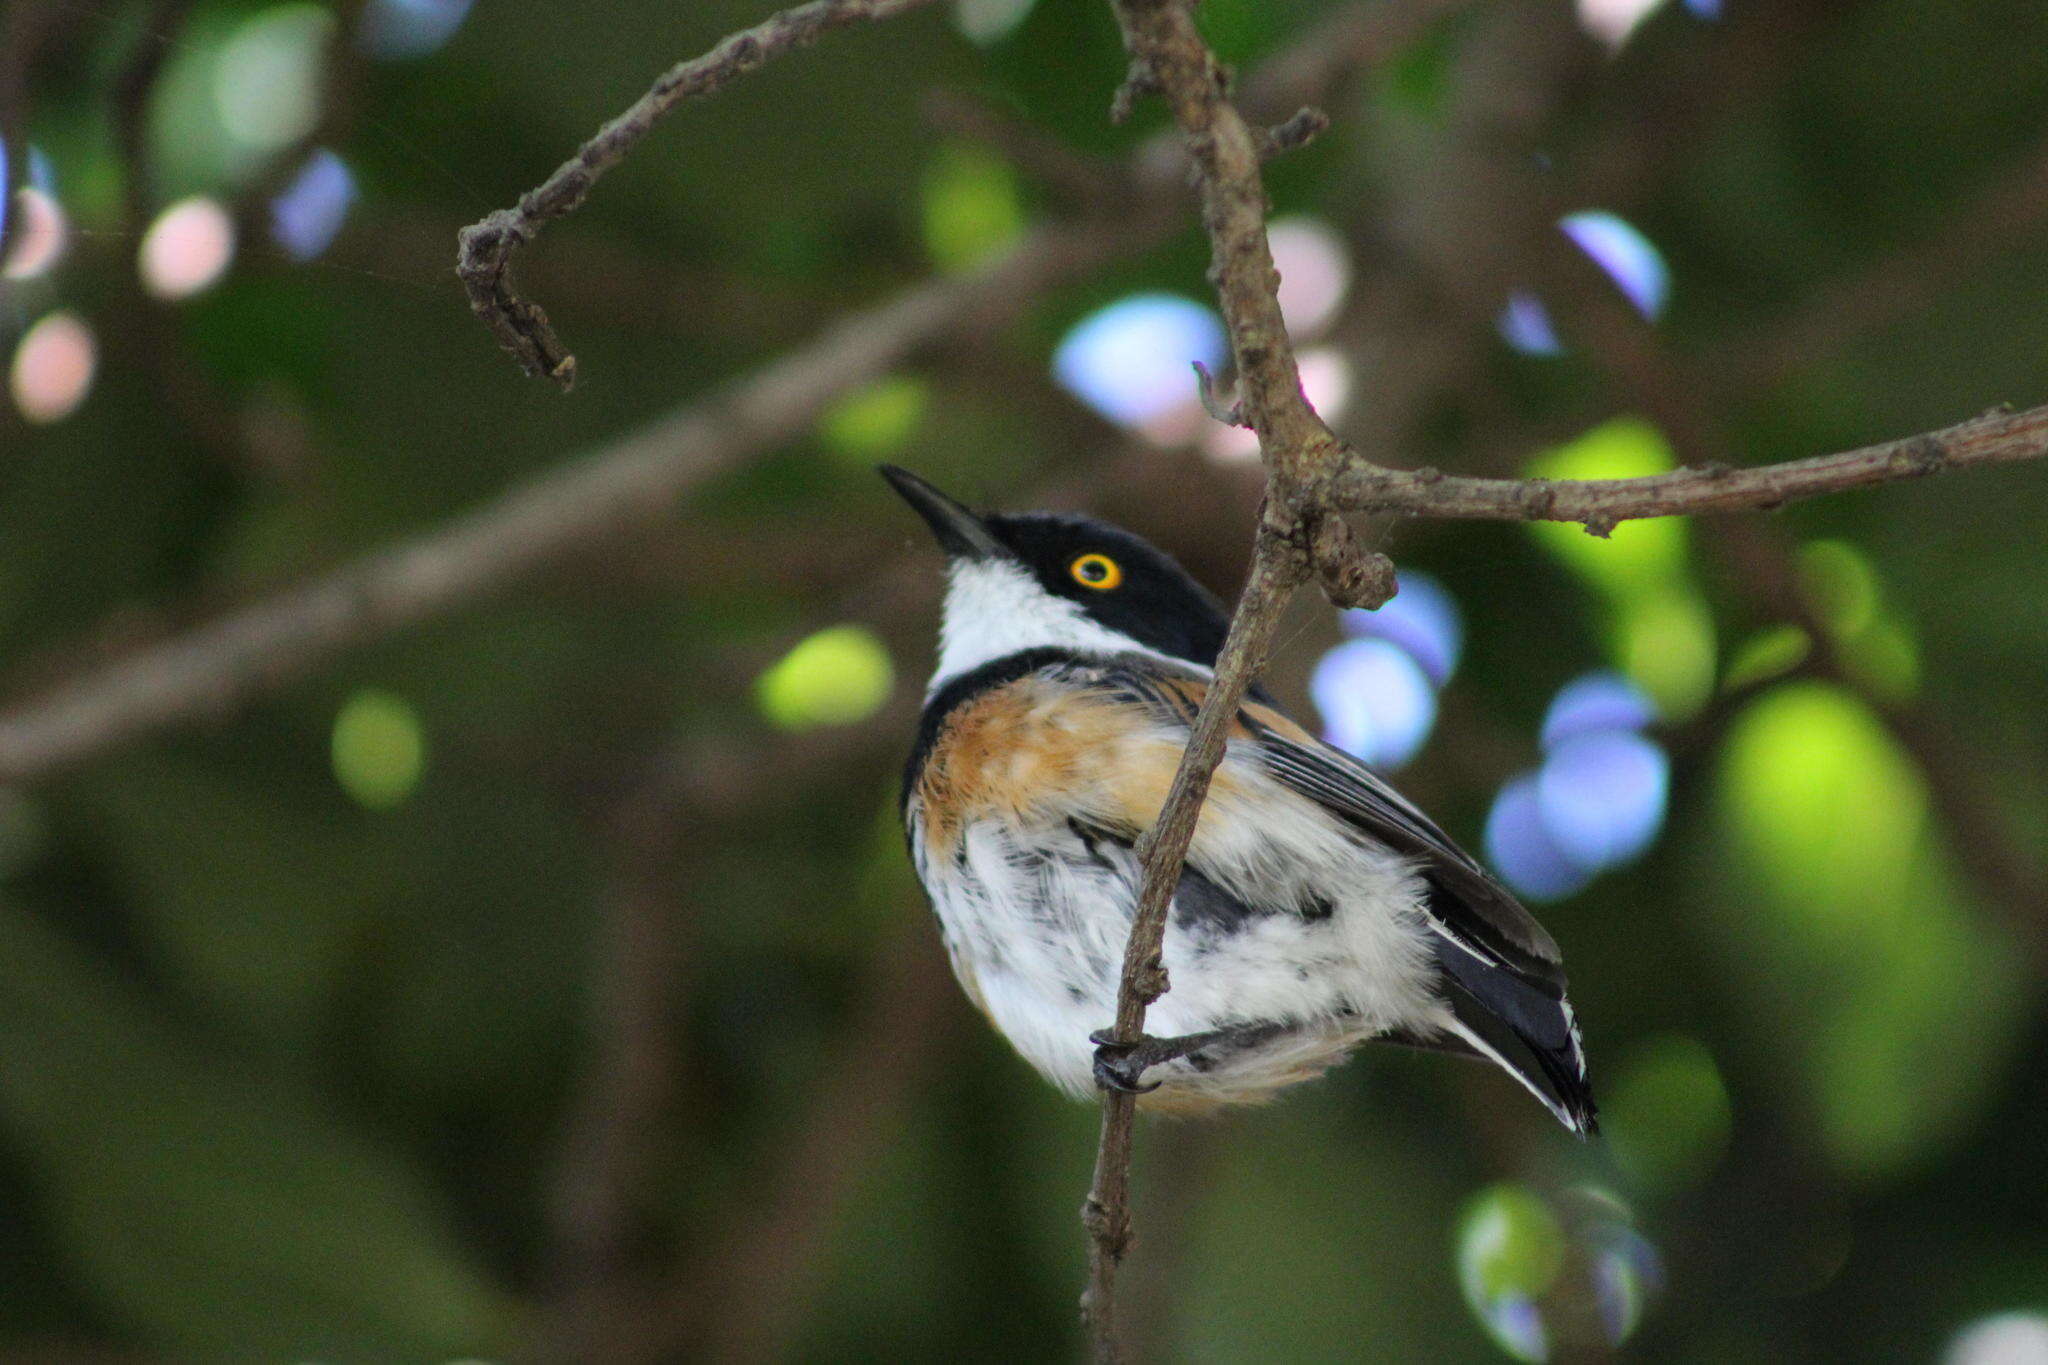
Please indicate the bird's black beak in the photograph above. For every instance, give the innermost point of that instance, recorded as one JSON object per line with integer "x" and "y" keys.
{"x": 961, "y": 534}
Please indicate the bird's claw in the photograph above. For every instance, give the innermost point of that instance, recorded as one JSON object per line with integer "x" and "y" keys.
{"x": 1121, "y": 1066}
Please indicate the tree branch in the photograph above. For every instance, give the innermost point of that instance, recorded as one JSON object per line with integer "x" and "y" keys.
{"x": 615, "y": 490}
{"x": 1997, "y": 437}
{"x": 1310, "y": 477}
{"x": 1278, "y": 567}
{"x": 485, "y": 247}
{"x": 1297, "y": 534}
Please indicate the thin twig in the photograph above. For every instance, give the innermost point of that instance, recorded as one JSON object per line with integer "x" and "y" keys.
{"x": 592, "y": 501}
{"x": 1997, "y": 437}
{"x": 486, "y": 247}
{"x": 1278, "y": 567}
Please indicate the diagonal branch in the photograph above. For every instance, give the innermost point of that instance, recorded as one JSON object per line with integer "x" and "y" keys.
{"x": 486, "y": 247}
{"x": 608, "y": 493}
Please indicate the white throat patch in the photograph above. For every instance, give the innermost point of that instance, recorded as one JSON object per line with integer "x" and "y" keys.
{"x": 995, "y": 609}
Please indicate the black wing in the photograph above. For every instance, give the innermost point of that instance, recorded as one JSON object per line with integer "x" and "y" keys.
{"x": 1504, "y": 977}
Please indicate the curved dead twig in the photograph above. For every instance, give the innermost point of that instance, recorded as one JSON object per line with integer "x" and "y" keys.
{"x": 486, "y": 247}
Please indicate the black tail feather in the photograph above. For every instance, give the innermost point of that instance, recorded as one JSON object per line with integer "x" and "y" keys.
{"x": 1533, "y": 1038}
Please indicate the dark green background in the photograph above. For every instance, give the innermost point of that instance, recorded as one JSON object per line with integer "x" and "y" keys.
{"x": 285, "y": 1077}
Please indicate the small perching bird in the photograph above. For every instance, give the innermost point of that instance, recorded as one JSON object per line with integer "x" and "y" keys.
{"x": 1318, "y": 908}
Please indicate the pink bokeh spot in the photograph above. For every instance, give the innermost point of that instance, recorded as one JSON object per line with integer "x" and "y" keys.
{"x": 53, "y": 368}
{"x": 186, "y": 249}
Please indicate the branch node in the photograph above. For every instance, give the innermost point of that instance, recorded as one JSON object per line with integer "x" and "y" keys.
{"x": 1600, "y": 526}
{"x": 1305, "y": 127}
{"x": 1351, "y": 575}
{"x": 1110, "y": 1232}
{"x": 1925, "y": 454}
{"x": 1138, "y": 83}
{"x": 1205, "y": 389}
{"x": 483, "y": 260}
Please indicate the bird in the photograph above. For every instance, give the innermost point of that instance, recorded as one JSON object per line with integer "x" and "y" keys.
{"x": 1318, "y": 909}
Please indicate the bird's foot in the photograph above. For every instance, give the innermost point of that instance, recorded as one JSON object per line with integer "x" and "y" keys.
{"x": 1122, "y": 1066}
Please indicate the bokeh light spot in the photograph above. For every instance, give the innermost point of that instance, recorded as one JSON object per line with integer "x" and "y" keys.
{"x": 53, "y": 367}
{"x": 1510, "y": 1249}
{"x": 1132, "y": 361}
{"x": 1601, "y": 797}
{"x": 267, "y": 78}
{"x": 1423, "y": 618}
{"x": 379, "y": 749}
{"x": 972, "y": 207}
{"x": 396, "y": 29}
{"x": 186, "y": 249}
{"x": 987, "y": 22}
{"x": 1630, "y": 259}
{"x": 1325, "y": 382}
{"x": 1522, "y": 849}
{"x": 1594, "y": 702}
{"x": 1376, "y": 702}
{"x": 839, "y": 676}
{"x": 1665, "y": 641}
{"x": 1611, "y": 21}
{"x": 1666, "y": 1114}
{"x": 1525, "y": 325}
{"x": 1839, "y": 585}
{"x": 306, "y": 216}
{"x": 1626, "y": 1270}
{"x": 1830, "y": 829}
{"x": 1770, "y": 653}
{"x": 1315, "y": 273}
{"x": 2001, "y": 1339}
{"x": 1820, "y": 794}
{"x": 876, "y": 419}
{"x": 1638, "y": 555}
{"x": 40, "y": 236}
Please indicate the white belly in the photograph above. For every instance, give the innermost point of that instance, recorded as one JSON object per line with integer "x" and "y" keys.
{"x": 1036, "y": 916}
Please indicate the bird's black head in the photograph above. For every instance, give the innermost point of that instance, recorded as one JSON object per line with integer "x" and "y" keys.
{"x": 1036, "y": 579}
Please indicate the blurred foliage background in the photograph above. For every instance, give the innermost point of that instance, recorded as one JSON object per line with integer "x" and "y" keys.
{"x": 546, "y": 980}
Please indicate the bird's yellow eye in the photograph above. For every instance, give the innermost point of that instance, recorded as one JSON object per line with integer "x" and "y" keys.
{"x": 1099, "y": 572}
